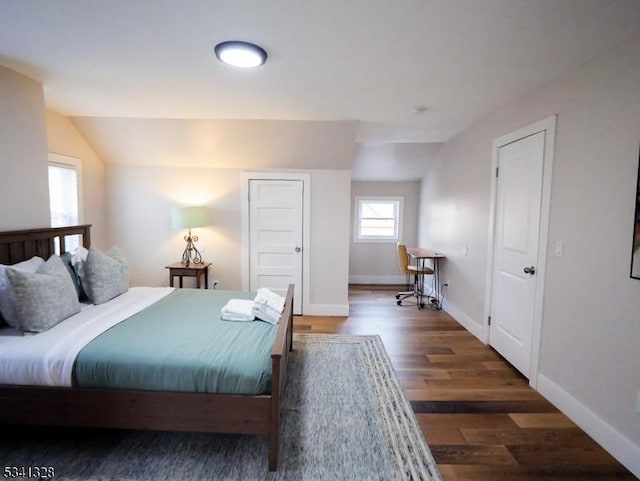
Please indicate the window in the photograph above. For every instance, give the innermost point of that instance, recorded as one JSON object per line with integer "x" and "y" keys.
{"x": 64, "y": 195}
{"x": 378, "y": 219}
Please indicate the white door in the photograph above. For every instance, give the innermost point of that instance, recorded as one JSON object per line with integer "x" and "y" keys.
{"x": 516, "y": 239}
{"x": 275, "y": 237}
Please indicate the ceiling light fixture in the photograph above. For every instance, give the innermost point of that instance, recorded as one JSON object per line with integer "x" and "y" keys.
{"x": 240, "y": 54}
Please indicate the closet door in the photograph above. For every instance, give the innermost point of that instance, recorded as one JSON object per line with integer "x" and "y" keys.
{"x": 275, "y": 236}
{"x": 517, "y": 232}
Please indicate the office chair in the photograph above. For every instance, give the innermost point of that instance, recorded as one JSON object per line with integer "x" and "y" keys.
{"x": 415, "y": 271}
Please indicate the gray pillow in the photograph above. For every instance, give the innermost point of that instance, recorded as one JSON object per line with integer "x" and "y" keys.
{"x": 43, "y": 298}
{"x": 7, "y": 309}
{"x": 107, "y": 275}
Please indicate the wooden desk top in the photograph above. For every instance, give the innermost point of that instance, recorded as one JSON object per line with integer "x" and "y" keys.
{"x": 420, "y": 253}
{"x": 192, "y": 265}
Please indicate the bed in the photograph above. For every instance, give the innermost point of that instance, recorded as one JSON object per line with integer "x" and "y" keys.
{"x": 142, "y": 409}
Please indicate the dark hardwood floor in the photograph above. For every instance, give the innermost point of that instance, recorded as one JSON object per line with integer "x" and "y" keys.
{"x": 479, "y": 416}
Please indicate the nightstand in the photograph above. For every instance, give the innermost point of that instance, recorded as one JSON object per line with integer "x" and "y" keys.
{"x": 192, "y": 270}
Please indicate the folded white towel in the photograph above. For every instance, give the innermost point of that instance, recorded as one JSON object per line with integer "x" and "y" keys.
{"x": 268, "y": 306}
{"x": 237, "y": 310}
{"x": 267, "y": 297}
{"x": 265, "y": 313}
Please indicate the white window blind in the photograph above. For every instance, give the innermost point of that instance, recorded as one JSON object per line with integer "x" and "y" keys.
{"x": 64, "y": 196}
{"x": 379, "y": 219}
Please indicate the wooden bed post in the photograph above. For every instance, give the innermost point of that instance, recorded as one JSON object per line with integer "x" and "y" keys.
{"x": 274, "y": 426}
{"x": 282, "y": 345}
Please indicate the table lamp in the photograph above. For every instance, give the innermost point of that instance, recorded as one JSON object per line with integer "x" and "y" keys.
{"x": 189, "y": 218}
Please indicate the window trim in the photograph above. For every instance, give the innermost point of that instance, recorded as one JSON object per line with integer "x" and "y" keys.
{"x": 74, "y": 162}
{"x": 359, "y": 200}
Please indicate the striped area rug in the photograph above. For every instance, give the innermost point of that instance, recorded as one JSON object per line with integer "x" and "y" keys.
{"x": 344, "y": 418}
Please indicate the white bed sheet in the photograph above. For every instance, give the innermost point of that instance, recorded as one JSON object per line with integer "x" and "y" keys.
{"x": 47, "y": 358}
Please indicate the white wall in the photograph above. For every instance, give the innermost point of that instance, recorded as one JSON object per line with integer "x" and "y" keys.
{"x": 375, "y": 262}
{"x": 27, "y": 133}
{"x": 140, "y": 203}
{"x": 589, "y": 356}
{"x": 396, "y": 162}
{"x": 330, "y": 227}
{"x": 220, "y": 143}
{"x": 24, "y": 185}
{"x": 155, "y": 164}
{"x": 139, "y": 213}
{"x": 63, "y": 138}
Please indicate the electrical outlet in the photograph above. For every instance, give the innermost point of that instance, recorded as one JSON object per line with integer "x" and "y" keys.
{"x": 215, "y": 283}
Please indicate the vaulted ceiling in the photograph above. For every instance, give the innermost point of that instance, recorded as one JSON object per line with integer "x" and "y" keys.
{"x": 368, "y": 63}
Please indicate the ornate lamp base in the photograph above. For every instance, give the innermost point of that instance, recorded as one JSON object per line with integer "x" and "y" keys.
{"x": 191, "y": 255}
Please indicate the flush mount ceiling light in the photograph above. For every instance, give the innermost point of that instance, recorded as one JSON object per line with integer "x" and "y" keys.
{"x": 240, "y": 54}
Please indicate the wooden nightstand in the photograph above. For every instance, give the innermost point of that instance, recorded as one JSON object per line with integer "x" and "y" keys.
{"x": 192, "y": 270}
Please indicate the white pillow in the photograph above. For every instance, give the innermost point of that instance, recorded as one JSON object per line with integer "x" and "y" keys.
{"x": 7, "y": 307}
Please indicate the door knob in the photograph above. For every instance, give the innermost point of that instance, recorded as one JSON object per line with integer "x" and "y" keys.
{"x": 530, "y": 270}
{"x": 298, "y": 249}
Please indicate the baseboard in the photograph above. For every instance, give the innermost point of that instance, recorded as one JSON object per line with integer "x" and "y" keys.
{"x": 465, "y": 321}
{"x": 327, "y": 310}
{"x": 616, "y": 443}
{"x": 357, "y": 279}
{"x": 459, "y": 315}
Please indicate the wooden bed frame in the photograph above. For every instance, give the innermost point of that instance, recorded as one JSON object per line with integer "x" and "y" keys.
{"x": 145, "y": 410}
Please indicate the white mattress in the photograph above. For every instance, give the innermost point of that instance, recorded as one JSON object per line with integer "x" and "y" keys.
{"x": 47, "y": 358}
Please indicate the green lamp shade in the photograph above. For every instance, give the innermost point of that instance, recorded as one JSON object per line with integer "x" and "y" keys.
{"x": 189, "y": 217}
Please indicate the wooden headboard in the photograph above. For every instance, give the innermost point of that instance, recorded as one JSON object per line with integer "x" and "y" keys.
{"x": 20, "y": 245}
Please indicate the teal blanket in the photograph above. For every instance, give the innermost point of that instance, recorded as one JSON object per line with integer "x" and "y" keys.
{"x": 181, "y": 344}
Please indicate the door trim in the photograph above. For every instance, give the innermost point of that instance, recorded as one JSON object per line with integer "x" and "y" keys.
{"x": 245, "y": 177}
{"x": 547, "y": 125}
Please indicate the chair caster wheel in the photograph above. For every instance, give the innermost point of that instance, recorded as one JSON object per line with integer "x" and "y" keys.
{"x": 422, "y": 305}
{"x": 399, "y": 303}
{"x": 397, "y": 296}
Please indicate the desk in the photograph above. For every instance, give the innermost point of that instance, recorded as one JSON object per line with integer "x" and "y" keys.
{"x": 420, "y": 255}
{"x": 192, "y": 270}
